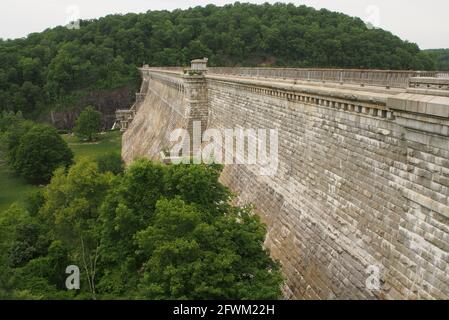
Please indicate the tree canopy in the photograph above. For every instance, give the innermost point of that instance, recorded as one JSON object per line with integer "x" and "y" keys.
{"x": 441, "y": 58}
{"x": 54, "y": 69}
{"x": 139, "y": 235}
{"x": 33, "y": 150}
{"x": 88, "y": 124}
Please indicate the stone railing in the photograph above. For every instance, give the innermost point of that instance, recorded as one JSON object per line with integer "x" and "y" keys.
{"x": 439, "y": 83}
{"x": 431, "y": 86}
{"x": 442, "y": 74}
{"x": 384, "y": 78}
{"x": 169, "y": 76}
{"x": 170, "y": 69}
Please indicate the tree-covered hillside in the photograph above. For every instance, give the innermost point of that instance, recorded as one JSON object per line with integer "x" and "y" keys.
{"x": 61, "y": 69}
{"x": 441, "y": 58}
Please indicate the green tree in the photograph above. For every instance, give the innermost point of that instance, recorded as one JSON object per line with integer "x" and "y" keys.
{"x": 440, "y": 58}
{"x": 88, "y": 124}
{"x": 12, "y": 127}
{"x": 9, "y": 120}
{"x": 193, "y": 255}
{"x": 140, "y": 235}
{"x": 128, "y": 208}
{"x": 9, "y": 220}
{"x": 175, "y": 223}
{"x": 41, "y": 151}
{"x": 58, "y": 69}
{"x": 196, "y": 184}
{"x": 111, "y": 162}
{"x": 71, "y": 207}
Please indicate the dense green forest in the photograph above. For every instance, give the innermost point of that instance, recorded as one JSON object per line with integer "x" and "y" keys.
{"x": 441, "y": 58}
{"x": 153, "y": 232}
{"x": 58, "y": 68}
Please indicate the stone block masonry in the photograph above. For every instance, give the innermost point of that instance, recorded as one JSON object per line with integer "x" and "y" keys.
{"x": 363, "y": 176}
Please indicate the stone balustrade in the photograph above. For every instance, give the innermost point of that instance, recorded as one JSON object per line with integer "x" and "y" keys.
{"x": 384, "y": 78}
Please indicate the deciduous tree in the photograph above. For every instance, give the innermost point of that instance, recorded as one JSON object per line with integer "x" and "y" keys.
{"x": 88, "y": 124}
{"x": 40, "y": 151}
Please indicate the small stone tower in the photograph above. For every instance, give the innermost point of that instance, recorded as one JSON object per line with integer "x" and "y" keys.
{"x": 199, "y": 65}
{"x": 196, "y": 85}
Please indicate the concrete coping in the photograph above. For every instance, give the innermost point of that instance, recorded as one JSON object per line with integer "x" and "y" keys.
{"x": 429, "y": 91}
{"x": 417, "y": 103}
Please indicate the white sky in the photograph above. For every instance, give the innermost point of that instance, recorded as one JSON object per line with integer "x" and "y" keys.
{"x": 423, "y": 22}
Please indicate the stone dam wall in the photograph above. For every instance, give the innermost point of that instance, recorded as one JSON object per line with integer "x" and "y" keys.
{"x": 362, "y": 179}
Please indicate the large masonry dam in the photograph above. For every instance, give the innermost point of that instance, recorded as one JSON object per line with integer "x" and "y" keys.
{"x": 361, "y": 191}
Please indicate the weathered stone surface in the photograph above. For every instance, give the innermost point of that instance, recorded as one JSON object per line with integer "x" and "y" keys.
{"x": 417, "y": 103}
{"x": 363, "y": 178}
{"x": 164, "y": 109}
{"x": 430, "y": 83}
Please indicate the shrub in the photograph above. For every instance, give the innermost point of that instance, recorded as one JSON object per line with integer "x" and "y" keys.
{"x": 41, "y": 150}
{"x": 111, "y": 162}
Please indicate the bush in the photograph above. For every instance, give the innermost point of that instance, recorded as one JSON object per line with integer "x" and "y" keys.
{"x": 111, "y": 162}
{"x": 41, "y": 151}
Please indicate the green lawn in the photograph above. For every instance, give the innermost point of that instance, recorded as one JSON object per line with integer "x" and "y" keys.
{"x": 12, "y": 188}
{"x": 109, "y": 142}
{"x": 15, "y": 189}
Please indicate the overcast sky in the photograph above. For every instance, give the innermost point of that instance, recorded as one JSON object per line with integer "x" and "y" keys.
{"x": 423, "y": 22}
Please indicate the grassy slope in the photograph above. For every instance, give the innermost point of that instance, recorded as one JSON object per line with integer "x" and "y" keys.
{"x": 109, "y": 142}
{"x": 12, "y": 188}
{"x": 15, "y": 189}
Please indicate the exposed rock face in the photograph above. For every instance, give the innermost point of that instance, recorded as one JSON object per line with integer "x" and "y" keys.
{"x": 107, "y": 102}
{"x": 362, "y": 182}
